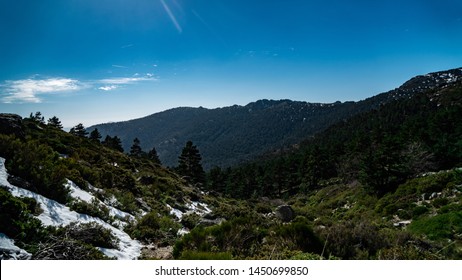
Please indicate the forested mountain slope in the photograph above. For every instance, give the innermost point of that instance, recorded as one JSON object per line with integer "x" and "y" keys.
{"x": 230, "y": 135}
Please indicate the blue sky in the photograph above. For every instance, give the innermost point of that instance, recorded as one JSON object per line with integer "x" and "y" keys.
{"x": 109, "y": 60}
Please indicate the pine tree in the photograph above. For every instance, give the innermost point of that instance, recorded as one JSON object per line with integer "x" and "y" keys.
{"x": 55, "y": 122}
{"x": 95, "y": 135}
{"x": 152, "y": 155}
{"x": 37, "y": 117}
{"x": 113, "y": 143}
{"x": 189, "y": 164}
{"x": 135, "y": 149}
{"x": 79, "y": 130}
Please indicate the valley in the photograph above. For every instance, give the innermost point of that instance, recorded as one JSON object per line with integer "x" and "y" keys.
{"x": 375, "y": 179}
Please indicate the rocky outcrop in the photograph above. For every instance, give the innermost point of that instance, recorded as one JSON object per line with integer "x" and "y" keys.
{"x": 285, "y": 213}
{"x": 11, "y": 124}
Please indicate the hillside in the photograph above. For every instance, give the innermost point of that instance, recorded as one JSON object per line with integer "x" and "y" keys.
{"x": 230, "y": 135}
{"x": 383, "y": 184}
{"x": 69, "y": 197}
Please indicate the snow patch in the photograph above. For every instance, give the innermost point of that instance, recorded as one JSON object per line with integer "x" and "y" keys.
{"x": 78, "y": 193}
{"x": 196, "y": 207}
{"x": 175, "y": 212}
{"x": 12, "y": 251}
{"x": 56, "y": 214}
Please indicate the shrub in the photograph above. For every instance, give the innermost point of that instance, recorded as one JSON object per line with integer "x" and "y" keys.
{"x": 354, "y": 239}
{"x": 153, "y": 228}
{"x": 239, "y": 237}
{"x": 190, "y": 255}
{"x": 38, "y": 164}
{"x": 298, "y": 235}
{"x": 16, "y": 220}
{"x": 419, "y": 211}
{"x": 190, "y": 220}
{"x": 90, "y": 233}
{"x": 94, "y": 209}
{"x": 438, "y": 227}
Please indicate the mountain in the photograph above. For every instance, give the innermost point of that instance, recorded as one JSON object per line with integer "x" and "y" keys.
{"x": 230, "y": 135}
{"x": 383, "y": 184}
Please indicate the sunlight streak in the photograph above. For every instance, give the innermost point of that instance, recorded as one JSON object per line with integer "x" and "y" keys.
{"x": 172, "y": 16}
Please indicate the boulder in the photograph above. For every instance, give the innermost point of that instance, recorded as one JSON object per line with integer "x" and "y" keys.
{"x": 208, "y": 222}
{"x": 11, "y": 124}
{"x": 285, "y": 213}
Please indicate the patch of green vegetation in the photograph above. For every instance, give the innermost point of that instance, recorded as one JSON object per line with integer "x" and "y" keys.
{"x": 193, "y": 255}
{"x": 16, "y": 220}
{"x": 154, "y": 228}
{"x": 442, "y": 226}
{"x": 94, "y": 209}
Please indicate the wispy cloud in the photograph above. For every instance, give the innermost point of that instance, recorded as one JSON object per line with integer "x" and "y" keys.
{"x": 119, "y": 66}
{"x": 108, "y": 88}
{"x": 35, "y": 89}
{"x": 124, "y": 80}
{"x": 127, "y": 46}
{"x": 29, "y": 90}
{"x": 114, "y": 83}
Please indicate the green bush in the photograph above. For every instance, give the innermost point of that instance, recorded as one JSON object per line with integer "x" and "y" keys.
{"x": 190, "y": 255}
{"x": 239, "y": 237}
{"x": 16, "y": 220}
{"x": 94, "y": 209}
{"x": 298, "y": 235}
{"x": 419, "y": 211}
{"x": 190, "y": 220}
{"x": 90, "y": 233}
{"x": 38, "y": 164}
{"x": 355, "y": 239}
{"x": 154, "y": 228}
{"x": 438, "y": 227}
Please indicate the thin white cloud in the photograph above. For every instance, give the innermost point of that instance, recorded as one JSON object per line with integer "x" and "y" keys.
{"x": 124, "y": 80}
{"x": 29, "y": 90}
{"x": 127, "y": 46}
{"x": 108, "y": 88}
{"x": 114, "y": 83}
{"x": 119, "y": 66}
{"x": 33, "y": 90}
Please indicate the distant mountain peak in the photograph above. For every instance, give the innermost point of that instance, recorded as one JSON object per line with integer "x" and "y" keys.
{"x": 229, "y": 135}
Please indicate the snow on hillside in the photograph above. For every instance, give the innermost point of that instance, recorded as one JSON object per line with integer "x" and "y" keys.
{"x": 196, "y": 207}
{"x": 10, "y": 251}
{"x": 83, "y": 195}
{"x": 56, "y": 214}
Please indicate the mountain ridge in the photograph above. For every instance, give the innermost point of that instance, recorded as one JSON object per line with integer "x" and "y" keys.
{"x": 234, "y": 134}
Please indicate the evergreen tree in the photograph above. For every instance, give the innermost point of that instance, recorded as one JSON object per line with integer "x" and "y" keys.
{"x": 189, "y": 164}
{"x": 152, "y": 155}
{"x": 113, "y": 143}
{"x": 135, "y": 149}
{"x": 37, "y": 117}
{"x": 95, "y": 135}
{"x": 55, "y": 122}
{"x": 79, "y": 130}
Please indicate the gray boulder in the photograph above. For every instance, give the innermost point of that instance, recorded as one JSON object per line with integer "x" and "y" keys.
{"x": 285, "y": 213}
{"x": 11, "y": 124}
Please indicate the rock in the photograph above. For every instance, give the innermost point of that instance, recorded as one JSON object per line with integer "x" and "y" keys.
{"x": 404, "y": 223}
{"x": 143, "y": 204}
{"x": 208, "y": 222}
{"x": 11, "y": 124}
{"x": 158, "y": 253}
{"x": 285, "y": 213}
